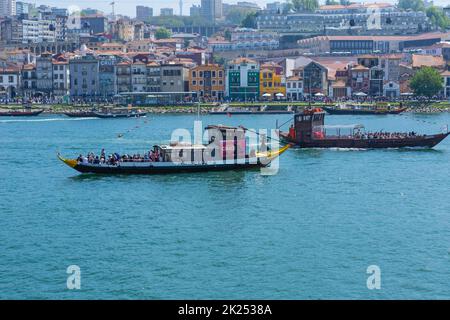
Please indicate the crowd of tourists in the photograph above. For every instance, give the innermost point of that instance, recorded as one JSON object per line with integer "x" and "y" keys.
{"x": 115, "y": 158}
{"x": 386, "y": 135}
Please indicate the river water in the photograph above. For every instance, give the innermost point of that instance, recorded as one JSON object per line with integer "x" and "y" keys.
{"x": 308, "y": 232}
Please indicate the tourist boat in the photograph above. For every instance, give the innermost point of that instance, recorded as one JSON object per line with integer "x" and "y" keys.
{"x": 255, "y": 109}
{"x": 348, "y": 109}
{"x": 80, "y": 114}
{"x": 21, "y": 113}
{"x": 180, "y": 158}
{"x": 310, "y": 131}
{"x": 118, "y": 113}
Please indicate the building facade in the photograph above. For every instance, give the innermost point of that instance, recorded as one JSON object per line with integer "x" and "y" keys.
{"x": 242, "y": 79}
{"x": 207, "y": 82}
{"x": 107, "y": 75}
{"x": 153, "y": 77}
{"x": 271, "y": 81}
{"x": 61, "y": 77}
{"x": 211, "y": 9}
{"x": 10, "y": 83}
{"x": 84, "y": 79}
{"x": 44, "y": 74}
{"x": 294, "y": 85}
{"x": 143, "y": 13}
{"x": 7, "y": 8}
{"x": 174, "y": 78}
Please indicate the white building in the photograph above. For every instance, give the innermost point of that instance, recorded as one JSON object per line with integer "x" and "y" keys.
{"x": 35, "y": 31}
{"x": 61, "y": 78}
{"x": 139, "y": 76}
{"x": 446, "y": 77}
{"x": 252, "y": 39}
{"x": 9, "y": 82}
{"x": 294, "y": 85}
{"x": 7, "y": 8}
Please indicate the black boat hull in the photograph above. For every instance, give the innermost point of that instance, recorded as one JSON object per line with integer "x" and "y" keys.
{"x": 119, "y": 115}
{"x": 148, "y": 170}
{"x": 80, "y": 114}
{"x": 334, "y": 111}
{"x": 21, "y": 113}
{"x": 428, "y": 141}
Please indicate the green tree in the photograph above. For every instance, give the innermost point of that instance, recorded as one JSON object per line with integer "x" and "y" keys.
{"x": 415, "y": 5}
{"x": 162, "y": 33}
{"x": 437, "y": 17}
{"x": 237, "y": 15}
{"x": 305, "y": 5}
{"x": 227, "y": 34}
{"x": 427, "y": 82}
{"x": 344, "y": 2}
{"x": 288, "y": 7}
{"x": 250, "y": 20}
{"x": 331, "y": 2}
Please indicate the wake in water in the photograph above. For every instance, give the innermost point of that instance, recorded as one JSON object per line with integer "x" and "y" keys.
{"x": 46, "y": 120}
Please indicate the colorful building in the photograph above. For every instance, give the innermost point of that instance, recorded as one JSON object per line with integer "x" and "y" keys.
{"x": 271, "y": 81}
{"x": 207, "y": 82}
{"x": 242, "y": 82}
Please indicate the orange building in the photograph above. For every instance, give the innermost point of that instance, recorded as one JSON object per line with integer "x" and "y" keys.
{"x": 207, "y": 82}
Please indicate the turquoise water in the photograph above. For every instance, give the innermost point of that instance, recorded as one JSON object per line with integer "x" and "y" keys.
{"x": 309, "y": 232}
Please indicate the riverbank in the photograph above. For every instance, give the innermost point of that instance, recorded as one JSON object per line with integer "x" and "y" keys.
{"x": 413, "y": 107}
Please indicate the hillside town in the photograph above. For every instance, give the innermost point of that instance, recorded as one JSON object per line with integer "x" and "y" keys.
{"x": 221, "y": 52}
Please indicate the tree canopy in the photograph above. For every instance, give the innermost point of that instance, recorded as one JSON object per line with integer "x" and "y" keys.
{"x": 415, "y": 5}
{"x": 237, "y": 15}
{"x": 162, "y": 33}
{"x": 305, "y": 5}
{"x": 250, "y": 20}
{"x": 427, "y": 82}
{"x": 437, "y": 17}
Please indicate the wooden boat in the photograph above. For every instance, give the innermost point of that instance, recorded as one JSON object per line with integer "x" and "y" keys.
{"x": 362, "y": 110}
{"x": 119, "y": 114}
{"x": 309, "y": 131}
{"x": 23, "y": 113}
{"x": 80, "y": 114}
{"x": 181, "y": 158}
{"x": 228, "y": 110}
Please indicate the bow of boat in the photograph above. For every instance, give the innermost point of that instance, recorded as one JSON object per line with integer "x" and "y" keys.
{"x": 70, "y": 162}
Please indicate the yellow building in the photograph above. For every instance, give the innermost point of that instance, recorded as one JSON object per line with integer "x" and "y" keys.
{"x": 271, "y": 81}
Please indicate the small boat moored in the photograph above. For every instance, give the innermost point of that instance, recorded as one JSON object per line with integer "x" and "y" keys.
{"x": 20, "y": 113}
{"x": 119, "y": 113}
{"x": 81, "y": 114}
{"x": 349, "y": 109}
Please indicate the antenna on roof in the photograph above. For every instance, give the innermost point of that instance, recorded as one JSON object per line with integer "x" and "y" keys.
{"x": 112, "y": 4}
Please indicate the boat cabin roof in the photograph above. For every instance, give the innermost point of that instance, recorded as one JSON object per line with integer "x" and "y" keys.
{"x": 344, "y": 126}
{"x": 223, "y": 127}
